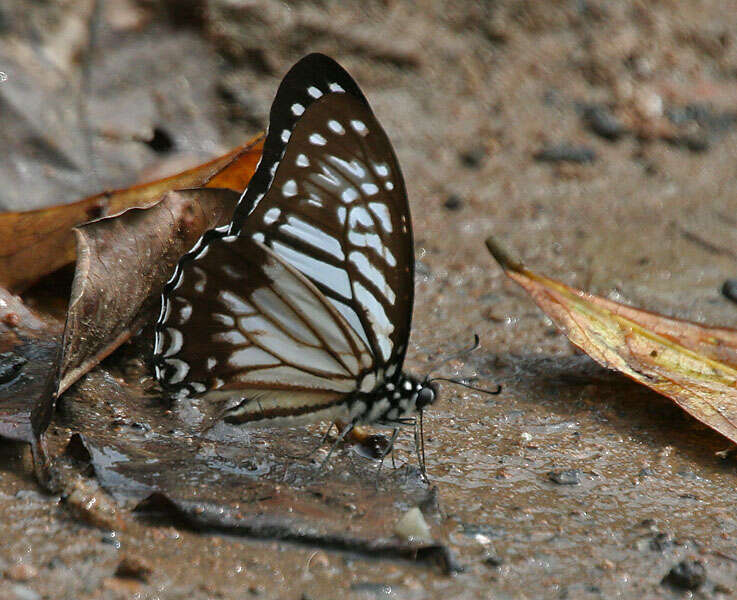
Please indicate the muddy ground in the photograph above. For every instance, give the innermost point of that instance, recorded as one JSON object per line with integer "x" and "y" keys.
{"x": 474, "y": 96}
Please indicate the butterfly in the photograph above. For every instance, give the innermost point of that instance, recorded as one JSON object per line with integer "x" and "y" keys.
{"x": 299, "y": 310}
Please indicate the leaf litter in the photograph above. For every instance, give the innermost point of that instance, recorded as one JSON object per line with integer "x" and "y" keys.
{"x": 692, "y": 364}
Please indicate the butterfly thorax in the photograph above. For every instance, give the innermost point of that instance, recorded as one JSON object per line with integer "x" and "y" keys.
{"x": 393, "y": 401}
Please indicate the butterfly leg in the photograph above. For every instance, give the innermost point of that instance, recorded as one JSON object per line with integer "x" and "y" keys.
{"x": 420, "y": 447}
{"x": 390, "y": 448}
{"x": 346, "y": 431}
{"x": 323, "y": 439}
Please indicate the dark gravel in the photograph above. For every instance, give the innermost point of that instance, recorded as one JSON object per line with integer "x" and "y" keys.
{"x": 565, "y": 477}
{"x": 686, "y": 575}
{"x": 564, "y": 152}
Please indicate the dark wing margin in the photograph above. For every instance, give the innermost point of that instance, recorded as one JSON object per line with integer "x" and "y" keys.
{"x": 313, "y": 77}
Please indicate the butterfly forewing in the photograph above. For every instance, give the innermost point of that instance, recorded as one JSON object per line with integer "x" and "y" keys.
{"x": 337, "y": 211}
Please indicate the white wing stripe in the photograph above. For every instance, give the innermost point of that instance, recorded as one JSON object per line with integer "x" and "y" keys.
{"x": 301, "y": 230}
{"x": 270, "y": 338}
{"x": 331, "y": 277}
{"x": 274, "y": 307}
{"x": 297, "y": 377}
{"x": 372, "y": 274}
{"x": 381, "y": 324}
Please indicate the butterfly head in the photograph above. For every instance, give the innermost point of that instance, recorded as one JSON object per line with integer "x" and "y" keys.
{"x": 426, "y": 394}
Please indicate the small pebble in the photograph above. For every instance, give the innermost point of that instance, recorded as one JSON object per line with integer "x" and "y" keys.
{"x": 473, "y": 158}
{"x": 111, "y": 538}
{"x": 729, "y": 289}
{"x": 21, "y": 572}
{"x": 377, "y": 590}
{"x": 661, "y": 542}
{"x": 11, "y": 364}
{"x": 133, "y": 567}
{"x": 602, "y": 121}
{"x": 565, "y": 477}
{"x": 413, "y": 528}
{"x": 565, "y": 153}
{"x": 21, "y": 592}
{"x": 493, "y": 561}
{"x": 454, "y": 202}
{"x": 687, "y": 575}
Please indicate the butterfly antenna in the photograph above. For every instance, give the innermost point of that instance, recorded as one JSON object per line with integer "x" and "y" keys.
{"x": 468, "y": 385}
{"x": 459, "y": 354}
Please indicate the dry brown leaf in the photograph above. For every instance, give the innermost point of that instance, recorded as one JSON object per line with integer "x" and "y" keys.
{"x": 693, "y": 365}
{"x": 38, "y": 242}
{"x": 122, "y": 264}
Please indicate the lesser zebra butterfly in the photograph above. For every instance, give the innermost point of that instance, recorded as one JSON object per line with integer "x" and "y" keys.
{"x": 300, "y": 309}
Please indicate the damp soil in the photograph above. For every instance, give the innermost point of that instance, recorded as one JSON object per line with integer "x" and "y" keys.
{"x": 573, "y": 482}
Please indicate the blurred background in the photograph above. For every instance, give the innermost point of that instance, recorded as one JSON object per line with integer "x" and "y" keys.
{"x": 560, "y": 125}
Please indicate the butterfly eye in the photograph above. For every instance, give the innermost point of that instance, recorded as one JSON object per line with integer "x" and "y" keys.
{"x": 425, "y": 397}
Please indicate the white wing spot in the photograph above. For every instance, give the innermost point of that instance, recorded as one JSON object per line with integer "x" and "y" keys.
{"x": 348, "y": 195}
{"x": 177, "y": 339}
{"x": 359, "y": 127}
{"x": 389, "y": 185}
{"x": 297, "y": 109}
{"x": 272, "y": 215}
{"x": 185, "y": 313}
{"x": 336, "y": 127}
{"x": 198, "y": 386}
{"x": 381, "y": 169}
{"x": 314, "y": 92}
{"x": 369, "y": 189}
{"x": 201, "y": 282}
{"x": 224, "y": 319}
{"x": 258, "y": 237}
{"x": 342, "y": 214}
{"x": 368, "y": 382}
{"x": 407, "y": 385}
{"x": 181, "y": 369}
{"x": 335, "y": 87}
{"x": 285, "y": 135}
{"x": 234, "y": 337}
{"x": 231, "y": 271}
{"x": 289, "y": 188}
{"x": 302, "y": 160}
{"x": 382, "y": 213}
{"x": 235, "y": 304}
{"x": 317, "y": 139}
{"x": 273, "y": 168}
{"x": 211, "y": 362}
